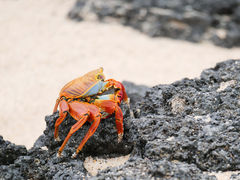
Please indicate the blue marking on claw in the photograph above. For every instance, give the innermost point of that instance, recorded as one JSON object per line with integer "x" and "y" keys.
{"x": 95, "y": 89}
{"x": 104, "y": 97}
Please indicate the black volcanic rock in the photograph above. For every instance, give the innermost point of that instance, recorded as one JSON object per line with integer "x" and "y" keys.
{"x": 41, "y": 164}
{"x": 195, "y": 121}
{"x": 192, "y": 20}
{"x": 9, "y": 152}
{"x": 180, "y": 131}
{"x": 138, "y": 168}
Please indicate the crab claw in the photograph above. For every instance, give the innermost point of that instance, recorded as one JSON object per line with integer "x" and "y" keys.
{"x": 120, "y": 137}
{"x": 59, "y": 154}
{"x": 57, "y": 139}
{"x": 74, "y": 155}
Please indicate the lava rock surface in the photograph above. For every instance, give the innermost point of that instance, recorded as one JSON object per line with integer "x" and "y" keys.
{"x": 180, "y": 131}
{"x": 9, "y": 152}
{"x": 195, "y": 120}
{"x": 192, "y": 20}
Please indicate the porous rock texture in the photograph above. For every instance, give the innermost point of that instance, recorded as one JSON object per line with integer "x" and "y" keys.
{"x": 10, "y": 152}
{"x": 180, "y": 131}
{"x": 192, "y": 20}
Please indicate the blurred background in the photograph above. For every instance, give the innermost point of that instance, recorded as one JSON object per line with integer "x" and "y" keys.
{"x": 46, "y": 43}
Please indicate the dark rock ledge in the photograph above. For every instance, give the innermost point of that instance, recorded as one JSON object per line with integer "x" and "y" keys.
{"x": 193, "y": 20}
{"x": 180, "y": 131}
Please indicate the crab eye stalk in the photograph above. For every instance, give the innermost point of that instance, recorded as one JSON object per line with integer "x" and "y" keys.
{"x": 100, "y": 77}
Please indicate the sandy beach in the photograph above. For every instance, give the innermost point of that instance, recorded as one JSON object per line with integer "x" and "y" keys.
{"x": 41, "y": 50}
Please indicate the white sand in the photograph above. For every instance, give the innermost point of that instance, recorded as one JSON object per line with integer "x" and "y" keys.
{"x": 93, "y": 165}
{"x": 224, "y": 175}
{"x": 41, "y": 50}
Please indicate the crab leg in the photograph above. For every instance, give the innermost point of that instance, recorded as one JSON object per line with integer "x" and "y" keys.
{"x": 56, "y": 105}
{"x": 63, "y": 108}
{"x": 119, "y": 122}
{"x": 73, "y": 129}
{"x": 95, "y": 116}
{"x": 82, "y": 112}
{"x": 79, "y": 112}
{"x": 109, "y": 107}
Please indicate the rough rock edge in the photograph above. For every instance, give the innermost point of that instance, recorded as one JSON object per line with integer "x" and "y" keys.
{"x": 172, "y": 136}
{"x": 215, "y": 20}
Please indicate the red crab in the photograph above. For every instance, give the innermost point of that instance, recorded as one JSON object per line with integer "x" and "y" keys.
{"x": 82, "y": 99}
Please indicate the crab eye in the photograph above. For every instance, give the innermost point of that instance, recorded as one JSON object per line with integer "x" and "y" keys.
{"x": 100, "y": 77}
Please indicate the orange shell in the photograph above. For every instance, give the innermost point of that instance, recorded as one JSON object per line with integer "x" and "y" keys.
{"x": 79, "y": 86}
